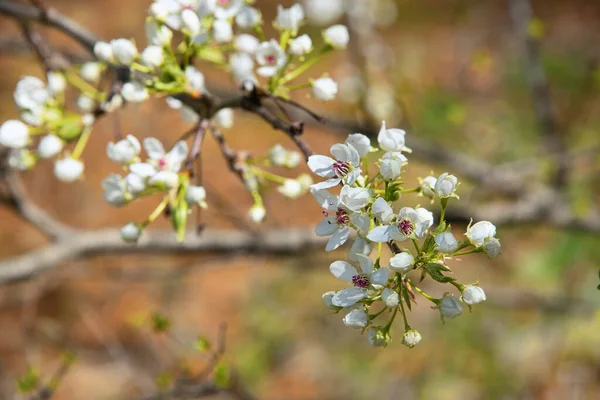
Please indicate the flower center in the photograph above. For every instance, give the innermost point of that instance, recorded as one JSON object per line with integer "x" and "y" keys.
{"x": 223, "y": 3}
{"x": 162, "y": 164}
{"x": 342, "y": 217}
{"x": 270, "y": 59}
{"x": 360, "y": 281}
{"x": 341, "y": 168}
{"x": 406, "y": 227}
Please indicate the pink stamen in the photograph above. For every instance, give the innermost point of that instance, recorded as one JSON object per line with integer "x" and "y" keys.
{"x": 223, "y": 3}
{"x": 162, "y": 164}
{"x": 342, "y": 217}
{"x": 341, "y": 168}
{"x": 360, "y": 281}
{"x": 270, "y": 59}
{"x": 406, "y": 227}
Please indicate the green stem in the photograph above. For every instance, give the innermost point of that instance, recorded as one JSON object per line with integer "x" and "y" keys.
{"x": 269, "y": 175}
{"x": 260, "y": 33}
{"x": 464, "y": 253}
{"x": 82, "y": 142}
{"x": 443, "y": 212}
{"x": 422, "y": 293}
{"x": 406, "y": 325}
{"x": 416, "y": 246}
{"x": 373, "y": 316}
{"x": 83, "y": 86}
{"x": 306, "y": 65}
{"x": 284, "y": 38}
{"x": 157, "y": 212}
{"x": 415, "y": 190}
{"x": 387, "y": 326}
{"x": 300, "y": 86}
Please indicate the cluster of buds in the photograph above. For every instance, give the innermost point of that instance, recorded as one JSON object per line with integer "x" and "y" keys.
{"x": 421, "y": 248}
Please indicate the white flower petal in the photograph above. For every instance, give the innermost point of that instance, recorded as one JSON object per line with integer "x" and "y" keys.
{"x": 321, "y": 165}
{"x": 338, "y": 238}
{"x": 366, "y": 264}
{"x": 326, "y": 227}
{"x": 380, "y": 234}
{"x": 348, "y": 296}
{"x": 343, "y": 271}
{"x": 154, "y": 148}
{"x": 380, "y": 277}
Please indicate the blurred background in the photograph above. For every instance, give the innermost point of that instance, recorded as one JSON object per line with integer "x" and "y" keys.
{"x": 455, "y": 74}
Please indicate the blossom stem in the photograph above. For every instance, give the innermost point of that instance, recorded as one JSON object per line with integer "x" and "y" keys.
{"x": 259, "y": 32}
{"x": 415, "y": 190}
{"x": 299, "y": 86}
{"x": 306, "y": 65}
{"x": 422, "y": 293}
{"x": 443, "y": 212}
{"x": 406, "y": 325}
{"x": 416, "y": 246}
{"x": 83, "y": 86}
{"x": 284, "y": 38}
{"x": 156, "y": 213}
{"x": 269, "y": 175}
{"x": 373, "y": 316}
{"x": 464, "y": 253}
{"x": 82, "y": 142}
{"x": 387, "y": 326}
{"x": 141, "y": 68}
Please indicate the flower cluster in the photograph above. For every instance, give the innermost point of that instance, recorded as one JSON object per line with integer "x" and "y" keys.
{"x": 421, "y": 247}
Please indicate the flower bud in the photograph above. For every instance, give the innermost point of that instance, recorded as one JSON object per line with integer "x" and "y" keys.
{"x": 14, "y": 134}
{"x": 222, "y": 31}
{"x": 257, "y": 213}
{"x": 224, "y": 118}
{"x": 324, "y": 89}
{"x": 356, "y": 319}
{"x": 104, "y": 51}
{"x": 56, "y": 82}
{"x": 479, "y": 232}
{"x": 492, "y": 247}
{"x": 130, "y": 233}
{"x": 390, "y": 169}
{"x": 472, "y": 295}
{"x": 390, "y": 298}
{"x": 300, "y": 46}
{"x": 153, "y": 56}
{"x": 165, "y": 180}
{"x": 90, "y": 71}
{"x": 377, "y": 337}
{"x": 360, "y": 142}
{"x": 327, "y": 299}
{"x": 68, "y": 169}
{"x": 248, "y": 17}
{"x": 289, "y": 18}
{"x": 21, "y": 159}
{"x": 124, "y": 51}
{"x": 446, "y": 243}
{"x": 291, "y": 188}
{"x": 85, "y": 104}
{"x": 196, "y": 195}
{"x": 191, "y": 22}
{"x": 50, "y": 146}
{"x": 124, "y": 151}
{"x": 195, "y": 79}
{"x": 337, "y": 36}
{"x": 115, "y": 190}
{"x": 445, "y": 186}
{"x": 402, "y": 262}
{"x": 246, "y": 43}
{"x": 134, "y": 92}
{"x": 135, "y": 183}
{"x": 158, "y": 35}
{"x": 450, "y": 307}
{"x": 391, "y": 139}
{"x": 427, "y": 186}
{"x": 411, "y": 338}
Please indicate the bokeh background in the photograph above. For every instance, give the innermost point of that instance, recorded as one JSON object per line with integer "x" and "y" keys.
{"x": 451, "y": 72}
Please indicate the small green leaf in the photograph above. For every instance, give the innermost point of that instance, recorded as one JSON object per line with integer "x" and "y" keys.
{"x": 28, "y": 382}
{"x": 435, "y": 271}
{"x": 164, "y": 380}
{"x": 202, "y": 344}
{"x": 160, "y": 323}
{"x": 222, "y": 374}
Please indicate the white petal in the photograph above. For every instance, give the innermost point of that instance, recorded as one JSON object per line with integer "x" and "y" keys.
{"x": 321, "y": 165}
{"x": 353, "y": 176}
{"x": 144, "y": 170}
{"x": 380, "y": 234}
{"x": 382, "y": 210}
{"x": 380, "y": 277}
{"x": 154, "y": 148}
{"x": 177, "y": 154}
{"x": 329, "y": 183}
{"x": 343, "y": 271}
{"x": 337, "y": 239}
{"x": 348, "y": 296}
{"x": 325, "y": 199}
{"x": 366, "y": 264}
{"x": 326, "y": 227}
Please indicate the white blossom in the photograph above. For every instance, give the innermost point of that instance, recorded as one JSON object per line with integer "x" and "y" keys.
{"x": 354, "y": 198}
{"x": 124, "y": 51}
{"x": 492, "y": 247}
{"x": 135, "y": 183}
{"x": 301, "y": 46}
{"x": 31, "y": 93}
{"x": 402, "y": 262}
{"x": 427, "y": 186}
{"x": 411, "y": 338}
{"x": 56, "y": 82}
{"x": 337, "y": 36}
{"x": 446, "y": 242}
{"x": 291, "y": 188}
{"x": 390, "y": 165}
{"x": 196, "y": 195}
{"x": 85, "y": 103}
{"x": 195, "y": 79}
{"x": 226, "y": 9}
{"x": 134, "y": 92}
{"x": 115, "y": 190}
{"x": 359, "y": 246}
{"x": 450, "y": 307}
{"x": 130, "y": 233}
{"x": 445, "y": 186}
{"x": 104, "y": 52}
{"x": 90, "y": 71}
{"x": 368, "y": 278}
{"x": 158, "y": 35}
{"x": 324, "y": 89}
{"x": 224, "y": 118}
{"x": 289, "y": 18}
{"x": 410, "y": 223}
{"x": 257, "y": 213}
{"x": 68, "y": 169}
{"x": 50, "y": 146}
{"x": 191, "y": 22}
{"x": 343, "y": 167}
{"x": 356, "y": 319}
{"x": 248, "y": 17}
{"x": 124, "y": 151}
{"x": 242, "y": 67}
{"x": 327, "y": 299}
{"x": 390, "y": 298}
{"x": 479, "y": 232}
{"x": 222, "y": 31}
{"x": 335, "y": 223}
{"x": 472, "y": 295}
{"x": 360, "y": 142}
{"x": 382, "y": 211}
{"x": 246, "y": 43}
{"x": 324, "y": 12}
{"x": 21, "y": 159}
{"x": 14, "y": 134}
{"x": 153, "y": 56}
{"x": 391, "y": 139}
{"x": 271, "y": 57}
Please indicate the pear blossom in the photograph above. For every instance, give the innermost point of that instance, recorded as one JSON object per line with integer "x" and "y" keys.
{"x": 360, "y": 142}
{"x": 31, "y": 93}
{"x": 472, "y": 295}
{"x": 224, "y": 118}
{"x": 50, "y": 146}
{"x": 56, "y": 82}
{"x": 450, "y": 307}
{"x": 222, "y": 31}
{"x": 187, "y": 114}
{"x": 136, "y": 183}
{"x": 367, "y": 279}
{"x": 411, "y": 338}
{"x": 90, "y": 71}
{"x": 377, "y": 337}
{"x": 390, "y": 298}
{"x": 158, "y": 34}
{"x": 196, "y": 195}
{"x": 291, "y": 188}
{"x": 327, "y": 299}
{"x": 131, "y": 233}
{"x": 124, "y": 151}
{"x": 427, "y": 186}
{"x": 359, "y": 246}
{"x": 257, "y": 213}
{"x": 446, "y": 243}
{"x": 190, "y": 22}
{"x": 104, "y": 51}
{"x": 382, "y": 211}
{"x": 153, "y": 56}
{"x": 68, "y": 169}
{"x": 21, "y": 159}
{"x": 492, "y": 247}
{"x": 124, "y": 51}
{"x": 391, "y": 139}
{"x": 337, "y": 36}
{"x": 115, "y": 190}
{"x": 445, "y": 186}
{"x": 354, "y": 199}
{"x": 226, "y": 9}
{"x": 248, "y": 17}
{"x": 85, "y": 103}
{"x": 161, "y": 169}
{"x": 479, "y": 232}
{"x": 344, "y": 167}
{"x": 289, "y": 18}
{"x": 271, "y": 57}
{"x": 242, "y": 67}
{"x": 246, "y": 43}
{"x": 14, "y": 134}
{"x": 324, "y": 89}
{"x": 402, "y": 262}
{"x": 409, "y": 224}
{"x": 357, "y": 319}
{"x": 390, "y": 165}
{"x": 335, "y": 223}
{"x": 195, "y": 79}
{"x": 134, "y": 92}
{"x": 301, "y": 46}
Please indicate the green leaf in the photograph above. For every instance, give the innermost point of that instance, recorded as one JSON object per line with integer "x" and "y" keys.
{"x": 28, "y": 382}
{"x": 222, "y": 374}
{"x": 405, "y": 296}
{"x": 202, "y": 344}
{"x": 160, "y": 323}
{"x": 164, "y": 380}
{"x": 70, "y": 129}
{"x": 435, "y": 270}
